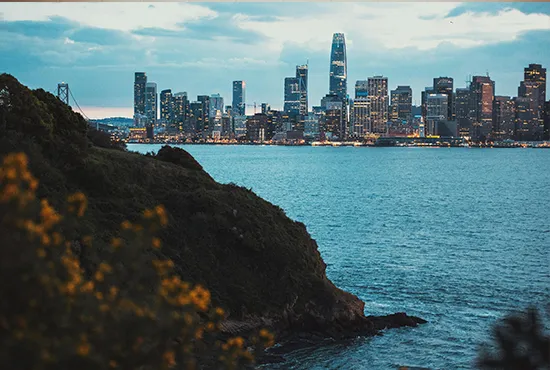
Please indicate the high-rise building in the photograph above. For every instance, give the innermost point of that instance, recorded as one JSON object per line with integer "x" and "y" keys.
{"x": 424, "y": 96}
{"x": 203, "y": 122}
{"x": 504, "y": 116}
{"x": 482, "y": 90}
{"x": 378, "y": 95}
{"x": 301, "y": 76}
{"x": 140, "y": 82}
{"x": 463, "y": 111}
{"x": 180, "y": 108}
{"x": 239, "y": 98}
{"x": 531, "y": 99}
{"x": 401, "y": 104}
{"x": 436, "y": 113}
{"x": 444, "y": 85}
{"x": 265, "y": 108}
{"x": 151, "y": 102}
{"x": 216, "y": 104}
{"x": 334, "y": 123}
{"x": 166, "y": 106}
{"x": 196, "y": 118}
{"x": 338, "y": 67}
{"x": 361, "y": 116}
{"x": 292, "y": 96}
{"x": 361, "y": 89}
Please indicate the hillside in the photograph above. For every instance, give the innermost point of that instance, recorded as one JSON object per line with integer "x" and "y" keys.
{"x": 261, "y": 266}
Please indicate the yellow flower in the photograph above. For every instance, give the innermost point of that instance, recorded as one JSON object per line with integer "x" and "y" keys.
{"x": 99, "y": 276}
{"x": 105, "y": 267}
{"x": 83, "y": 349}
{"x": 116, "y": 242}
{"x": 126, "y": 225}
{"x": 169, "y": 358}
{"x": 113, "y": 364}
{"x": 156, "y": 242}
{"x": 41, "y": 252}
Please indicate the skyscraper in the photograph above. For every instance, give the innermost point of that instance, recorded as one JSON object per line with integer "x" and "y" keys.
{"x": 203, "y": 121}
{"x": 546, "y": 135}
{"x": 334, "y": 123}
{"x": 436, "y": 113}
{"x": 151, "y": 102}
{"x": 338, "y": 67}
{"x": 401, "y": 104}
{"x": 361, "y": 89}
{"x": 504, "y": 115}
{"x": 166, "y": 106}
{"x": 216, "y": 104}
{"x": 239, "y": 105}
{"x": 301, "y": 75}
{"x": 378, "y": 95}
{"x": 444, "y": 85}
{"x": 531, "y": 99}
{"x": 462, "y": 111}
{"x": 180, "y": 108}
{"x": 482, "y": 90}
{"x": 361, "y": 116}
{"x": 140, "y": 81}
{"x": 292, "y": 102}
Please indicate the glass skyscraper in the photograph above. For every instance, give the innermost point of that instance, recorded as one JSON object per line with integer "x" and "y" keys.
{"x": 239, "y": 106}
{"x": 140, "y": 81}
{"x": 338, "y": 67}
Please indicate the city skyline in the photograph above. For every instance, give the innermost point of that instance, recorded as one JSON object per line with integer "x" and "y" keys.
{"x": 93, "y": 53}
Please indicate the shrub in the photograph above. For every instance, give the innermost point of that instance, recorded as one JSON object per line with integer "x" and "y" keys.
{"x": 126, "y": 310}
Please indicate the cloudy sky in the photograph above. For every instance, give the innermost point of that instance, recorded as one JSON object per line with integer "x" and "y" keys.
{"x": 202, "y": 47}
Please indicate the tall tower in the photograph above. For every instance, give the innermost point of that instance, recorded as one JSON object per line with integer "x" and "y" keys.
{"x": 239, "y": 107}
{"x": 151, "y": 102}
{"x": 444, "y": 85}
{"x": 338, "y": 67}
{"x": 166, "y": 106}
{"x": 140, "y": 81}
{"x": 378, "y": 94}
{"x": 301, "y": 75}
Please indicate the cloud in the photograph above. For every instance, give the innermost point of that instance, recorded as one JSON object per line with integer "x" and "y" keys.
{"x": 116, "y": 16}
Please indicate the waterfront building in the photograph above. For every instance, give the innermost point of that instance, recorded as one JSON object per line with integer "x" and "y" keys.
{"x": 302, "y": 77}
{"x": 504, "y": 115}
{"x": 401, "y": 105}
{"x": 436, "y": 112}
{"x": 292, "y": 96}
{"x": 338, "y": 67}
{"x": 546, "y": 135}
{"x": 151, "y": 102}
{"x": 311, "y": 125}
{"x": 202, "y": 127}
{"x": 239, "y": 99}
{"x": 462, "y": 111}
{"x": 378, "y": 96}
{"x": 361, "y": 116}
{"x": 482, "y": 91}
{"x": 215, "y": 104}
{"x": 140, "y": 82}
{"x": 180, "y": 108}
{"x": 239, "y": 126}
{"x": 166, "y": 106}
{"x": 444, "y": 85}
{"x": 530, "y": 104}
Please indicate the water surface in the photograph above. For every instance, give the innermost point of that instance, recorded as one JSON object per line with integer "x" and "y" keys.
{"x": 457, "y": 236}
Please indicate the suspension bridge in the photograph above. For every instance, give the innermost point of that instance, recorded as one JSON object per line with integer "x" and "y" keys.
{"x": 65, "y": 94}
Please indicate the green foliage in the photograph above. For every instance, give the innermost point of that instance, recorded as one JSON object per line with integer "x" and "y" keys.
{"x": 521, "y": 342}
{"x": 129, "y": 310}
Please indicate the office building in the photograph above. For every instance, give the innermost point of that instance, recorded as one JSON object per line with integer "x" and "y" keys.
{"x": 140, "y": 82}
{"x": 166, "y": 106}
{"x": 216, "y": 104}
{"x": 401, "y": 105}
{"x": 504, "y": 117}
{"x": 378, "y": 96}
{"x": 151, "y": 102}
{"x": 338, "y": 67}
{"x": 239, "y": 99}
{"x": 482, "y": 91}
{"x": 444, "y": 85}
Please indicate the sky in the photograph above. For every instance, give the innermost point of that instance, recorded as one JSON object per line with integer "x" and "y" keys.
{"x": 201, "y": 48}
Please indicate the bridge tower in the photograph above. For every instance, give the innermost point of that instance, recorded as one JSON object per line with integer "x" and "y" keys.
{"x": 63, "y": 92}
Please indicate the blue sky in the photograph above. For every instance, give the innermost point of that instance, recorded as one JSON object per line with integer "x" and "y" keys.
{"x": 202, "y": 47}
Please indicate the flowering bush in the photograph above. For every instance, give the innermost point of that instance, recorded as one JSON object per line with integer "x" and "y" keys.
{"x": 129, "y": 310}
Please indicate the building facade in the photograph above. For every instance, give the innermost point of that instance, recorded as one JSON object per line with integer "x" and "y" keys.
{"x": 302, "y": 76}
{"x": 216, "y": 104}
{"x": 166, "y": 106}
{"x": 401, "y": 105}
{"x": 444, "y": 85}
{"x": 140, "y": 83}
{"x": 338, "y": 67}
{"x": 436, "y": 113}
{"x": 504, "y": 117}
{"x": 151, "y": 102}
{"x": 361, "y": 116}
{"x": 378, "y": 95}
{"x": 239, "y": 98}
{"x": 482, "y": 92}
